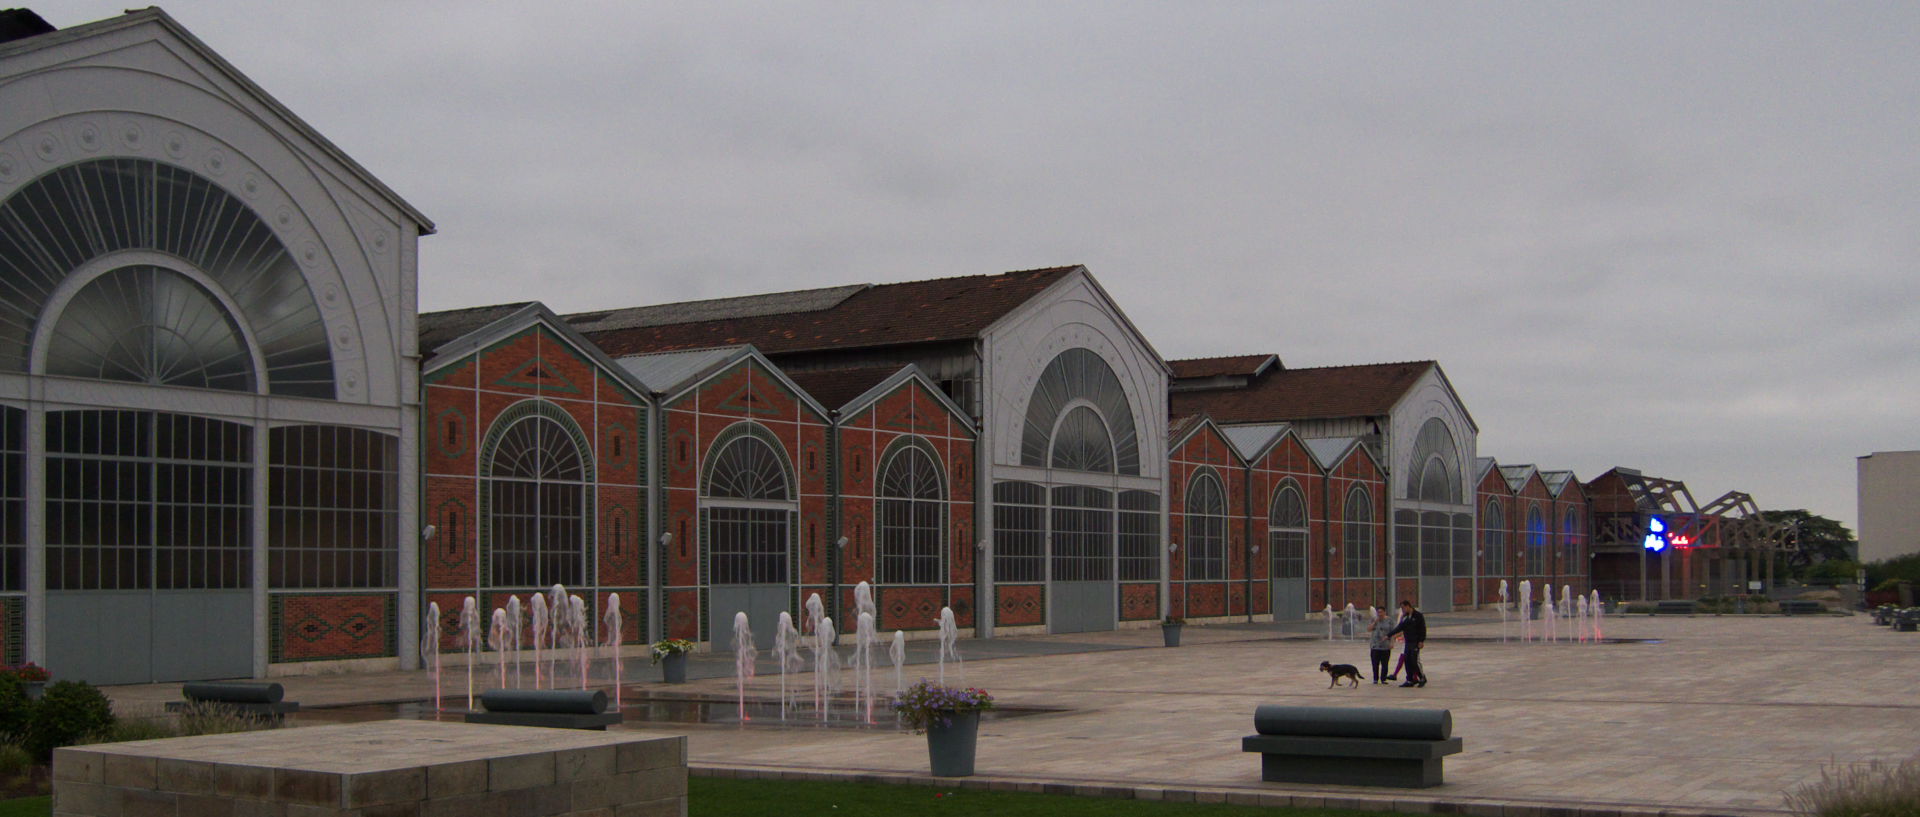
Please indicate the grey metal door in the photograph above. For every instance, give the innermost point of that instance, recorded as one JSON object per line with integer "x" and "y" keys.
{"x": 1081, "y": 596}
{"x": 1082, "y": 607}
{"x": 1436, "y": 594}
{"x": 140, "y": 637}
{"x": 1289, "y": 589}
{"x": 761, "y": 602}
{"x": 749, "y": 550}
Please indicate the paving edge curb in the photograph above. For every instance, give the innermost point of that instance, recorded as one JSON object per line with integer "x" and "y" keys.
{"x": 1405, "y": 803}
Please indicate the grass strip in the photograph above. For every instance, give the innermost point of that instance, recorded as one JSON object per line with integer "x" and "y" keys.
{"x": 726, "y": 797}
{"x": 27, "y": 807}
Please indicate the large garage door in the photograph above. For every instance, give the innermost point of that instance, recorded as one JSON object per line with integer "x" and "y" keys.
{"x": 1083, "y": 595}
{"x": 149, "y": 558}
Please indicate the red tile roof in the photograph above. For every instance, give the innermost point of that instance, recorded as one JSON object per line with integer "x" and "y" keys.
{"x": 942, "y": 309}
{"x": 1305, "y": 394}
{"x": 1243, "y": 365}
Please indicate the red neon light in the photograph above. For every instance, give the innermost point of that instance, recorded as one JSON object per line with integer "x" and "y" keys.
{"x": 1680, "y": 540}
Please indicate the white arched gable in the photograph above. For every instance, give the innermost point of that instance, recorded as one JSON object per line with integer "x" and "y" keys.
{"x": 1073, "y": 314}
{"x": 132, "y": 92}
{"x": 1431, "y": 398}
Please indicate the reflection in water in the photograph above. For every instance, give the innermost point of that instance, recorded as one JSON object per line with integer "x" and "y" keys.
{"x": 642, "y": 708}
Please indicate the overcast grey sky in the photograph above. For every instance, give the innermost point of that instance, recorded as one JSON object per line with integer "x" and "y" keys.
{"x": 1676, "y": 236}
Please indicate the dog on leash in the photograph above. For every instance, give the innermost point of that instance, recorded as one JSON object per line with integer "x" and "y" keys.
{"x": 1341, "y": 672}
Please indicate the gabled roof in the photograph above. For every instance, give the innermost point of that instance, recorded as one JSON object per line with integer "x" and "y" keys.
{"x": 1481, "y": 465}
{"x": 153, "y": 14}
{"x": 672, "y": 374}
{"x": 1178, "y": 427}
{"x": 1240, "y": 365}
{"x": 850, "y": 390}
{"x": 942, "y": 309}
{"x": 1331, "y": 451}
{"x": 1517, "y": 475}
{"x": 1306, "y": 394}
{"x": 505, "y": 323}
{"x": 1196, "y": 424}
{"x": 438, "y": 329}
{"x": 1557, "y": 481}
{"x": 1252, "y": 441}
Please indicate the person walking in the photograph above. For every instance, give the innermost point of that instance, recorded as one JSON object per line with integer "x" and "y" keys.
{"x": 1380, "y": 642}
{"x": 1412, "y": 627}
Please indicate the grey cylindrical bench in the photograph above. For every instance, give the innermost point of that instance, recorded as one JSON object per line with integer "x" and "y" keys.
{"x": 253, "y": 698}
{"x": 1351, "y": 746}
{"x": 551, "y": 708}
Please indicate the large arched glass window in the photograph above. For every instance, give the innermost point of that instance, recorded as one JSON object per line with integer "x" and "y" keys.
{"x": 537, "y": 503}
{"x": 1356, "y": 531}
{"x": 911, "y": 513}
{"x": 58, "y": 223}
{"x": 1536, "y": 542}
{"x": 146, "y": 324}
{"x": 1080, "y": 375}
{"x": 1571, "y": 536}
{"x": 1287, "y": 532}
{"x": 1206, "y": 529}
{"x": 140, "y": 500}
{"x": 748, "y": 512}
{"x": 1493, "y": 539}
{"x": 1435, "y": 475}
{"x": 1082, "y": 443}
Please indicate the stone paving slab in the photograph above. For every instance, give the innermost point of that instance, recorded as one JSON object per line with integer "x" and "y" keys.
{"x": 1706, "y": 715}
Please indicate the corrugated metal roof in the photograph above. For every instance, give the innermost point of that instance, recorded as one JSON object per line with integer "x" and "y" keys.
{"x": 1329, "y": 450}
{"x": 1306, "y": 394}
{"x": 715, "y": 309}
{"x": 1516, "y": 475}
{"x": 666, "y": 372}
{"x": 1253, "y": 440}
{"x": 1556, "y": 480}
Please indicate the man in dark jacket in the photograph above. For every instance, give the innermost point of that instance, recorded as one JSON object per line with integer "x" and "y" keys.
{"x": 1413, "y": 626}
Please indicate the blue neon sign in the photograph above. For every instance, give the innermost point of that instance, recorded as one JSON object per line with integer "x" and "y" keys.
{"x": 1656, "y": 540}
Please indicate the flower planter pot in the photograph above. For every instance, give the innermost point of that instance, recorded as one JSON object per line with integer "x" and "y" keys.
{"x": 673, "y": 668}
{"x": 950, "y": 747}
{"x": 1170, "y": 633}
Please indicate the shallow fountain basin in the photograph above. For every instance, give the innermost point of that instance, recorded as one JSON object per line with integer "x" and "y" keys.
{"x": 642, "y": 706}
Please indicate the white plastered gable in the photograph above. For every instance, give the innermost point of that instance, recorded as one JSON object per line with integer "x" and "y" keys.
{"x": 1074, "y": 312}
{"x": 1431, "y": 396}
{"x": 139, "y": 86}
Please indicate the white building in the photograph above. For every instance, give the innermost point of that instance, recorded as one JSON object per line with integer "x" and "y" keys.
{"x": 1889, "y": 516}
{"x": 208, "y": 383}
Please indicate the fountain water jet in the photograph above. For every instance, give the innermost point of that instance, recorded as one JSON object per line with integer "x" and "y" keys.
{"x": 786, "y": 653}
{"x": 581, "y": 635}
{"x": 557, "y": 621}
{"x": 610, "y": 621}
{"x": 1329, "y": 612}
{"x": 863, "y": 638}
{"x": 1503, "y": 610}
{"x": 515, "y": 621}
{"x": 1353, "y": 621}
{"x": 949, "y": 641}
{"x": 1548, "y": 615}
{"x": 1580, "y": 620}
{"x": 826, "y": 666}
{"x": 540, "y": 624}
{"x": 816, "y": 613}
{"x": 498, "y": 637}
{"x": 1526, "y": 610}
{"x": 1594, "y": 607}
{"x": 743, "y": 655}
{"x": 430, "y": 648}
{"x": 898, "y": 652}
{"x": 470, "y": 637}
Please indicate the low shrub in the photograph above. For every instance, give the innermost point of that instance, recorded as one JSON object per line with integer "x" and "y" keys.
{"x": 199, "y": 718}
{"x": 1873, "y": 789}
{"x": 69, "y": 711}
{"x": 126, "y": 729}
{"x": 15, "y": 708}
{"x": 13, "y": 760}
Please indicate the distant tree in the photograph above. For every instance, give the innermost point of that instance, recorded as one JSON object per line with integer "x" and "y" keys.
{"x": 1810, "y": 539}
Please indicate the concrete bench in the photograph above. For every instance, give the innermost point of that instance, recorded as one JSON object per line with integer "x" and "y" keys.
{"x": 1351, "y": 746}
{"x": 1802, "y": 607}
{"x": 551, "y": 708}
{"x": 253, "y": 699}
{"x": 1675, "y": 607}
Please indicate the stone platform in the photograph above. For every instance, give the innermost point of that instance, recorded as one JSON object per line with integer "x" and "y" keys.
{"x": 379, "y": 769}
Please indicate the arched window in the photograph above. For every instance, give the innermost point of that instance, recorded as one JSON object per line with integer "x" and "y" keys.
{"x": 1493, "y": 539}
{"x": 537, "y": 502}
{"x": 1079, "y": 375}
{"x": 912, "y": 507}
{"x": 748, "y": 515}
{"x": 1287, "y": 532}
{"x": 137, "y": 324}
{"x": 147, "y": 324}
{"x": 1571, "y": 535}
{"x": 1435, "y": 475}
{"x": 1357, "y": 532}
{"x": 1206, "y": 514}
{"x": 1536, "y": 542}
{"x": 1082, "y": 443}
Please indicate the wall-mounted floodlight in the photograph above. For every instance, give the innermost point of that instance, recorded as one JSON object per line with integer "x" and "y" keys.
{"x": 1173, "y": 546}
{"x": 427, "y": 532}
{"x": 842, "y": 543}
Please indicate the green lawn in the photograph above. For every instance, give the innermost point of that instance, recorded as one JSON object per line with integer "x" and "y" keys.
{"x": 722, "y": 797}
{"x": 27, "y": 807}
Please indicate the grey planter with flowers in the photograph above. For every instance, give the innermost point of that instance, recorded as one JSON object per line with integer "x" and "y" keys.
{"x": 950, "y": 716}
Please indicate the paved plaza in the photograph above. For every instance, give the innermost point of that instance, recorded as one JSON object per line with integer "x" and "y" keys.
{"x": 1717, "y": 715}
